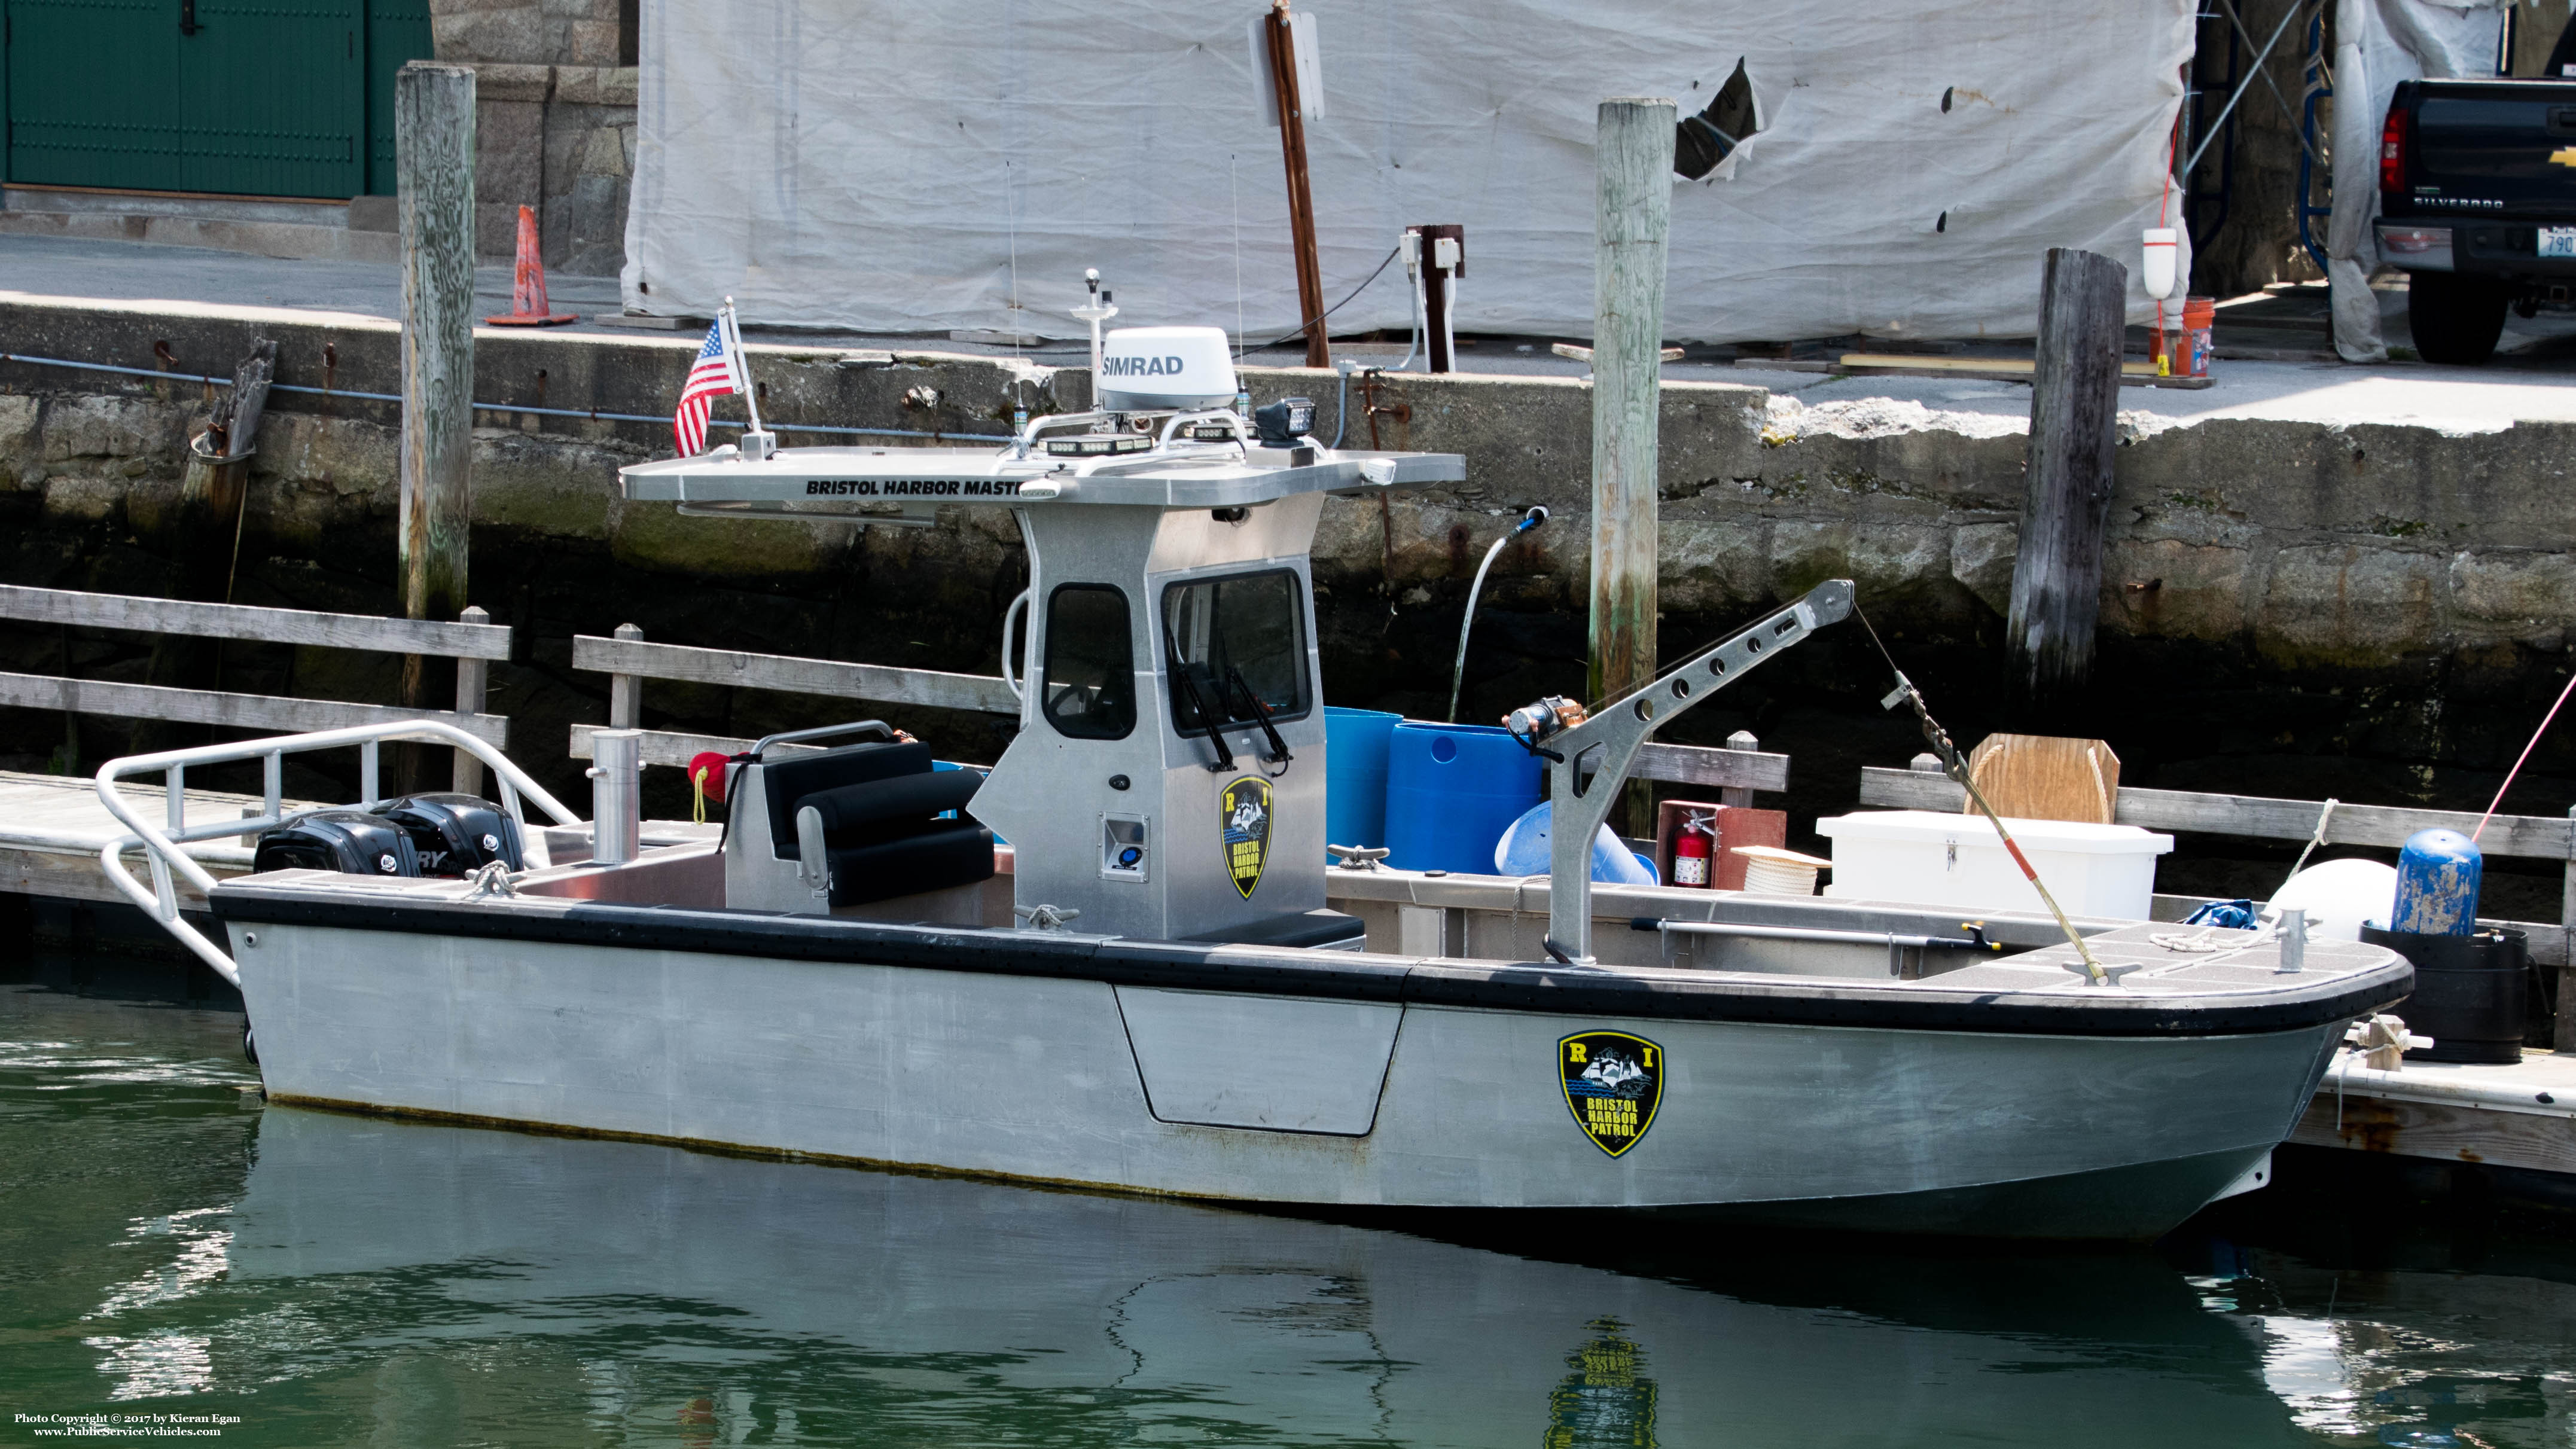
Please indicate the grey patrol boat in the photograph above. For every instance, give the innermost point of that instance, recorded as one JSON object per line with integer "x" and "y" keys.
{"x": 1158, "y": 985}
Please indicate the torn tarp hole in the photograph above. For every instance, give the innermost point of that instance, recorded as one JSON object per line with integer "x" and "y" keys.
{"x": 1703, "y": 140}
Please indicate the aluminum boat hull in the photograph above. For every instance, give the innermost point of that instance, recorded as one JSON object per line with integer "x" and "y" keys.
{"x": 1234, "y": 1073}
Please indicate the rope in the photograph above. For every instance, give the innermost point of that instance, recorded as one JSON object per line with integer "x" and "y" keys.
{"x": 2315, "y": 840}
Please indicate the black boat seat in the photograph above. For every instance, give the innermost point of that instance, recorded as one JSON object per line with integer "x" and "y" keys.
{"x": 788, "y": 779}
{"x": 946, "y": 854}
{"x": 877, "y": 803}
{"x": 1329, "y": 929}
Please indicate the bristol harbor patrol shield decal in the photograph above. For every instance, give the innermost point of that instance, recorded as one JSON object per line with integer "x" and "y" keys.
{"x": 1613, "y": 1082}
{"x": 1243, "y": 815}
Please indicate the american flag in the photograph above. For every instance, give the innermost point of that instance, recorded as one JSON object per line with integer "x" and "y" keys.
{"x": 716, "y": 372}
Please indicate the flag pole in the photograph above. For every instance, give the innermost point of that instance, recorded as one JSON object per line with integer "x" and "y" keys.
{"x": 757, "y": 442}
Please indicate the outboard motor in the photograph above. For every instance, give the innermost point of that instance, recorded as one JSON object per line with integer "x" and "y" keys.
{"x": 455, "y": 835}
{"x": 351, "y": 842}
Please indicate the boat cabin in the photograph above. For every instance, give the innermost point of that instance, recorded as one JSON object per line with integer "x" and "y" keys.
{"x": 1167, "y": 781}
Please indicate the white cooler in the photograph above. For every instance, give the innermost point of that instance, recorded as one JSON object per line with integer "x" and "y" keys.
{"x": 1957, "y": 861}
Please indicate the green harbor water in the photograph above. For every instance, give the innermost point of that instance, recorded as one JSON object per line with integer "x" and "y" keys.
{"x": 177, "y": 1255}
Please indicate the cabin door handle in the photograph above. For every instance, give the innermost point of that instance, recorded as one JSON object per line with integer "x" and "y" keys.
{"x": 187, "y": 17}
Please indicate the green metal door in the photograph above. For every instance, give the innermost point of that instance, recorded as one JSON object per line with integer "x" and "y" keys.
{"x": 94, "y": 93}
{"x": 272, "y": 99}
{"x": 241, "y": 97}
{"x": 397, "y": 31}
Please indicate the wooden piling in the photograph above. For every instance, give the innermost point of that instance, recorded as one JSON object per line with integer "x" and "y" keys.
{"x": 434, "y": 166}
{"x": 2066, "y": 490}
{"x": 205, "y": 532}
{"x": 1634, "y": 154}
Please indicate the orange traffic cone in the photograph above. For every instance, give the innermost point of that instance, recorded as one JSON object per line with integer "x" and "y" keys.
{"x": 528, "y": 296}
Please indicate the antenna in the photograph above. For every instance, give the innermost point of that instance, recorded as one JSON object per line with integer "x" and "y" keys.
{"x": 1095, "y": 311}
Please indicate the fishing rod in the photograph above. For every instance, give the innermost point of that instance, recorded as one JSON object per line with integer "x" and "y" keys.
{"x": 1955, "y": 765}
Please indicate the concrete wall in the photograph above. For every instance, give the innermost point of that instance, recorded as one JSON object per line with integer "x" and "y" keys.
{"x": 529, "y": 32}
{"x": 2309, "y": 544}
{"x": 555, "y": 123}
{"x": 561, "y": 139}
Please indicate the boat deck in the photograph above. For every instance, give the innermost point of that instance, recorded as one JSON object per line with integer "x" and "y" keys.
{"x": 2522, "y": 1115}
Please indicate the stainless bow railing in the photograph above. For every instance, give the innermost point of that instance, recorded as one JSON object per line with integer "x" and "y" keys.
{"x": 161, "y": 844}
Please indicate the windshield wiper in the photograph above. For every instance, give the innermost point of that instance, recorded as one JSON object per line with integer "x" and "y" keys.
{"x": 1215, "y": 726}
{"x": 1260, "y": 715}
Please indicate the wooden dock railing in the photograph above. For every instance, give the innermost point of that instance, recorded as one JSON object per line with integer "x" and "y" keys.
{"x": 472, "y": 642}
{"x": 1736, "y": 771}
{"x": 628, "y": 661}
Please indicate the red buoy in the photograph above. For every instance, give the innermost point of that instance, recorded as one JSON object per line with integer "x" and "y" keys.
{"x": 707, "y": 771}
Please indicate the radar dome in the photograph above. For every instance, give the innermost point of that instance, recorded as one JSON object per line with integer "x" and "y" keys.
{"x": 1143, "y": 368}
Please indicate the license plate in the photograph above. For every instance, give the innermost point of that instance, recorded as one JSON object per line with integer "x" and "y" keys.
{"x": 2558, "y": 241}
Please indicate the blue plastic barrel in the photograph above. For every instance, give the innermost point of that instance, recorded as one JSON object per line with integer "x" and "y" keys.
{"x": 2437, "y": 884}
{"x": 1451, "y": 792}
{"x": 1355, "y": 745}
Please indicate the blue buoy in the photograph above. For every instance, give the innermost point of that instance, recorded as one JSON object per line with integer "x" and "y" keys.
{"x": 1451, "y": 791}
{"x": 1355, "y": 746}
{"x": 2437, "y": 884}
{"x": 1524, "y": 850}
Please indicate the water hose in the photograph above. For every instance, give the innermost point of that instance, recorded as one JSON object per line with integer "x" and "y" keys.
{"x": 1532, "y": 519}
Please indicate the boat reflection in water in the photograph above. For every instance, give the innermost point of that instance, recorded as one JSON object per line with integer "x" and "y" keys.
{"x": 720, "y": 1299}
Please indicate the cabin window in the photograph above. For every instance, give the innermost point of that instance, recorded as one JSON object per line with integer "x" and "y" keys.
{"x": 1090, "y": 663}
{"x": 1236, "y": 650}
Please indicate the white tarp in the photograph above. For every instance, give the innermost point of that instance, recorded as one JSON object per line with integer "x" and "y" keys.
{"x": 892, "y": 167}
{"x": 2377, "y": 44}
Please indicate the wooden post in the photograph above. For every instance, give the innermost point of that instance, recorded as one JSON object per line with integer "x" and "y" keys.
{"x": 2066, "y": 489}
{"x": 2563, "y": 1030}
{"x": 205, "y": 532}
{"x": 1634, "y": 153}
{"x": 1301, "y": 200}
{"x": 471, "y": 676}
{"x": 434, "y": 166}
{"x": 626, "y": 691}
{"x": 1739, "y": 795}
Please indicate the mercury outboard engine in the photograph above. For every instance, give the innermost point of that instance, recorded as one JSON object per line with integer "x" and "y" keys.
{"x": 351, "y": 842}
{"x": 455, "y": 835}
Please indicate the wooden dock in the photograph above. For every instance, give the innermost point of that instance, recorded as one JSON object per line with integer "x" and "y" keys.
{"x": 2496, "y": 1116}
{"x": 52, "y": 828}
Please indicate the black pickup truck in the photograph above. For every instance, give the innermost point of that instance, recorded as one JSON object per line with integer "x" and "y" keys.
{"x": 2477, "y": 200}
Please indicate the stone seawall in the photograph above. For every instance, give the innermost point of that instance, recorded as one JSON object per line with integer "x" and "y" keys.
{"x": 2272, "y": 590}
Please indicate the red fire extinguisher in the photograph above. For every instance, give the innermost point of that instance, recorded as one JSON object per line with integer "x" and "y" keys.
{"x": 1690, "y": 854}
